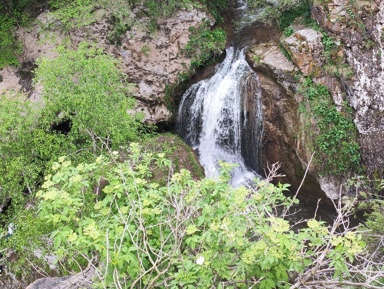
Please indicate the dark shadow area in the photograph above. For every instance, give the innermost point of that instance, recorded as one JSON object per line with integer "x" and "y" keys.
{"x": 64, "y": 127}
{"x": 26, "y": 75}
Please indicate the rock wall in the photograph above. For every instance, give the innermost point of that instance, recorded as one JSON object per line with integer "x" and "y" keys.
{"x": 359, "y": 26}
{"x": 358, "y": 31}
{"x": 151, "y": 60}
{"x": 282, "y": 138}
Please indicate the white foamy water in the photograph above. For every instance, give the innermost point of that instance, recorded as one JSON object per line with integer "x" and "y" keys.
{"x": 212, "y": 115}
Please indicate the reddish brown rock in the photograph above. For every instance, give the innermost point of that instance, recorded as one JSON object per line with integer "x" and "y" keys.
{"x": 268, "y": 59}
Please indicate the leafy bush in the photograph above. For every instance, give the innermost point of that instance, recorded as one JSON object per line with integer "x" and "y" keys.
{"x": 161, "y": 8}
{"x": 11, "y": 14}
{"x": 73, "y": 13}
{"x": 187, "y": 233}
{"x": 215, "y": 7}
{"x": 25, "y": 148}
{"x": 9, "y": 46}
{"x": 284, "y": 12}
{"x": 292, "y": 11}
{"x": 85, "y": 87}
{"x": 204, "y": 44}
{"x": 82, "y": 88}
{"x": 14, "y": 14}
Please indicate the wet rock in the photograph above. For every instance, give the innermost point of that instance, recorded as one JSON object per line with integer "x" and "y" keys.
{"x": 285, "y": 139}
{"x": 282, "y": 142}
{"x": 251, "y": 132}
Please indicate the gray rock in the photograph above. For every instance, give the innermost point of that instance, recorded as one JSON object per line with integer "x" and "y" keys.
{"x": 364, "y": 50}
{"x": 268, "y": 59}
{"x": 305, "y": 47}
{"x": 150, "y": 60}
{"x": 83, "y": 280}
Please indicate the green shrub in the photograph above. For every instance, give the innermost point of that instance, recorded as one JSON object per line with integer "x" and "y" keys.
{"x": 85, "y": 87}
{"x": 82, "y": 88}
{"x": 9, "y": 46}
{"x": 25, "y": 148}
{"x": 185, "y": 233}
{"x": 72, "y": 13}
{"x": 215, "y": 7}
{"x": 284, "y": 12}
{"x": 204, "y": 44}
{"x": 336, "y": 142}
{"x": 330, "y": 47}
{"x": 14, "y": 14}
{"x": 292, "y": 11}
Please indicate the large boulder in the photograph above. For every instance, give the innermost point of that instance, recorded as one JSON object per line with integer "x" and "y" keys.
{"x": 268, "y": 59}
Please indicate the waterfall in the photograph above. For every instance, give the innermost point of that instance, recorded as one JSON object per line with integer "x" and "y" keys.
{"x": 221, "y": 119}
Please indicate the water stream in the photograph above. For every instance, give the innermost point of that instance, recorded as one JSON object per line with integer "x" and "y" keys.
{"x": 221, "y": 119}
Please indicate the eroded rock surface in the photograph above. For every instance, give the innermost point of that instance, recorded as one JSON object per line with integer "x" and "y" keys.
{"x": 359, "y": 26}
{"x": 305, "y": 47}
{"x": 285, "y": 137}
{"x": 357, "y": 79}
{"x": 150, "y": 60}
{"x": 268, "y": 58}
{"x": 282, "y": 142}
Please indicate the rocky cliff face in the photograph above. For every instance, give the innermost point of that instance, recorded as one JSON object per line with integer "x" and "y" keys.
{"x": 355, "y": 78}
{"x": 359, "y": 26}
{"x": 283, "y": 141}
{"x": 151, "y": 60}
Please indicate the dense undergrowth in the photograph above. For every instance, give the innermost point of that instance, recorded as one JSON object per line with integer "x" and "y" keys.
{"x": 84, "y": 113}
{"x": 338, "y": 152}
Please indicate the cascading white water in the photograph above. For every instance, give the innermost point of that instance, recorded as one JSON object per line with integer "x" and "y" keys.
{"x": 214, "y": 119}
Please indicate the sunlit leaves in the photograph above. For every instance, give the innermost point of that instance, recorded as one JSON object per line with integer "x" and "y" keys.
{"x": 220, "y": 231}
